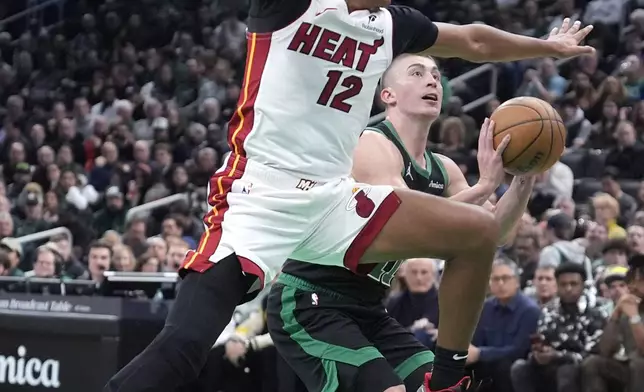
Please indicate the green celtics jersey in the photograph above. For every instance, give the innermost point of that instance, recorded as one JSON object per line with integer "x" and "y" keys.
{"x": 432, "y": 179}
{"x": 371, "y": 281}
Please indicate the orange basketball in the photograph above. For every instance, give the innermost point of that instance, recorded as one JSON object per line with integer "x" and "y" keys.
{"x": 538, "y": 135}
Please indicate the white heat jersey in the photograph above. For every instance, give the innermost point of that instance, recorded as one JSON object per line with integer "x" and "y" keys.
{"x": 309, "y": 88}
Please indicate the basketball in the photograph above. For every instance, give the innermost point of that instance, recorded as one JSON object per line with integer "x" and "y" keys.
{"x": 538, "y": 135}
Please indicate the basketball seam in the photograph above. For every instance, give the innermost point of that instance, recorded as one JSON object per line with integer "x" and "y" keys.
{"x": 497, "y": 132}
{"x": 552, "y": 133}
{"x": 531, "y": 143}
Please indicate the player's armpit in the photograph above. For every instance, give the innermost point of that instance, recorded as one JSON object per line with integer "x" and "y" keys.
{"x": 376, "y": 161}
{"x": 481, "y": 43}
{"x": 458, "y": 189}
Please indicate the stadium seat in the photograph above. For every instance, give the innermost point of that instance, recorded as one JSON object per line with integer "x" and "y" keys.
{"x": 575, "y": 160}
{"x": 585, "y": 188}
{"x": 630, "y": 187}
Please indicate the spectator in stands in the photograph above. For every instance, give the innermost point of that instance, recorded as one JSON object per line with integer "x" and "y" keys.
{"x": 123, "y": 259}
{"x": 595, "y": 238}
{"x": 136, "y": 235}
{"x": 603, "y": 131}
{"x": 614, "y": 278}
{"x": 631, "y": 70}
{"x": 13, "y": 250}
{"x": 635, "y": 239}
{"x": 545, "y": 286}
{"x": 99, "y": 259}
{"x": 628, "y": 155}
{"x": 610, "y": 185}
{"x": 46, "y": 263}
{"x": 158, "y": 247}
{"x": 589, "y": 64}
{"x": 71, "y": 267}
{"x": 32, "y": 212}
{"x": 568, "y": 331}
{"x": 112, "y": 216}
{"x": 606, "y": 210}
{"x": 503, "y": 332}
{"x": 6, "y": 225}
{"x": 144, "y": 128}
{"x": 177, "y": 249}
{"x": 577, "y": 126}
{"x": 544, "y": 83}
{"x": 454, "y": 108}
{"x": 615, "y": 253}
{"x": 148, "y": 262}
{"x": 416, "y": 307}
{"x": 526, "y": 253}
{"x": 560, "y": 248}
{"x": 566, "y": 9}
{"x": 612, "y": 369}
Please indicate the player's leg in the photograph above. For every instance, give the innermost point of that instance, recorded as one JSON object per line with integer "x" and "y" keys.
{"x": 465, "y": 236}
{"x": 232, "y": 259}
{"x": 374, "y": 224}
{"x": 324, "y": 347}
{"x": 409, "y": 358}
{"x": 178, "y": 353}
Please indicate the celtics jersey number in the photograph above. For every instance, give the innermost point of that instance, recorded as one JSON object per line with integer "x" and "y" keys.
{"x": 385, "y": 272}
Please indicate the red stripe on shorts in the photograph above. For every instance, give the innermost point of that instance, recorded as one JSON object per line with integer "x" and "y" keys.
{"x": 239, "y": 128}
{"x": 368, "y": 234}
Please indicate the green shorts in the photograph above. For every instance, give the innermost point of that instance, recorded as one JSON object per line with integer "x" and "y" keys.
{"x": 336, "y": 343}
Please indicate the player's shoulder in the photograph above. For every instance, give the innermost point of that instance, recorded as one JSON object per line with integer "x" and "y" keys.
{"x": 375, "y": 143}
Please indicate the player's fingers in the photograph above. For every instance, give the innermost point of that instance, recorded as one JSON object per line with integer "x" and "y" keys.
{"x": 482, "y": 135}
{"x": 583, "y": 33}
{"x": 579, "y": 50}
{"x": 565, "y": 26}
{"x": 490, "y": 135}
{"x": 574, "y": 28}
{"x": 554, "y": 31}
{"x": 503, "y": 145}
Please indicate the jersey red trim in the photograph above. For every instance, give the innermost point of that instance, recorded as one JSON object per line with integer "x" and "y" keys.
{"x": 243, "y": 119}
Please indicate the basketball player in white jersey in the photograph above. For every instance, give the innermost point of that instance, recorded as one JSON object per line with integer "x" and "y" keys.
{"x": 312, "y": 69}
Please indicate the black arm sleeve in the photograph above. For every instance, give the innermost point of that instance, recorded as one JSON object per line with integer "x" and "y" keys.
{"x": 266, "y": 16}
{"x": 413, "y": 32}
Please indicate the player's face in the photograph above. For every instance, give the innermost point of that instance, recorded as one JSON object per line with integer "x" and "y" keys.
{"x": 416, "y": 87}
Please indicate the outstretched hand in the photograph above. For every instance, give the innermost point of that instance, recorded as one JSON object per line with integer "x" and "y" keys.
{"x": 567, "y": 38}
{"x": 490, "y": 160}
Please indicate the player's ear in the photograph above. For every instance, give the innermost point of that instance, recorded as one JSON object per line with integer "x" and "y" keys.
{"x": 387, "y": 96}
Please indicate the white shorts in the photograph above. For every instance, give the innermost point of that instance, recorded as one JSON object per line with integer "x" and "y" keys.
{"x": 265, "y": 216}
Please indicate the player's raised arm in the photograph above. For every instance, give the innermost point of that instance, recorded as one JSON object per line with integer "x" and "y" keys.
{"x": 415, "y": 33}
{"x": 478, "y": 42}
{"x": 376, "y": 161}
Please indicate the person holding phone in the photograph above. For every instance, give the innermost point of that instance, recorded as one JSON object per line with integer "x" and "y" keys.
{"x": 568, "y": 331}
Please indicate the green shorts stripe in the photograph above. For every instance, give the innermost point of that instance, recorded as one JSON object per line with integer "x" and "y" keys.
{"x": 332, "y": 382}
{"x": 412, "y": 363}
{"x": 317, "y": 348}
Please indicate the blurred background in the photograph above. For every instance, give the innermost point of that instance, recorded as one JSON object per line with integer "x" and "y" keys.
{"x": 113, "y": 117}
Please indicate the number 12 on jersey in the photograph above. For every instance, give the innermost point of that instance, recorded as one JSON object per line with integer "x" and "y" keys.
{"x": 352, "y": 87}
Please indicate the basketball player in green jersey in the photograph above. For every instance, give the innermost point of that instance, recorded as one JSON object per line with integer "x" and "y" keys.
{"x": 329, "y": 322}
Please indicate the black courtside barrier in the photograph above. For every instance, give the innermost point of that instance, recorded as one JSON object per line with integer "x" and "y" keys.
{"x": 71, "y": 343}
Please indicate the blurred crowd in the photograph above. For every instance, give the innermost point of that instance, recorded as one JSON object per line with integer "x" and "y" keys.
{"x": 128, "y": 102}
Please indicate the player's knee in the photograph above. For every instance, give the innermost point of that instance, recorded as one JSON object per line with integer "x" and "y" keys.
{"x": 485, "y": 229}
{"x": 187, "y": 352}
{"x": 397, "y": 388}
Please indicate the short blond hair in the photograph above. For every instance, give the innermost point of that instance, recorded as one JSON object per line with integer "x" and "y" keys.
{"x": 604, "y": 199}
